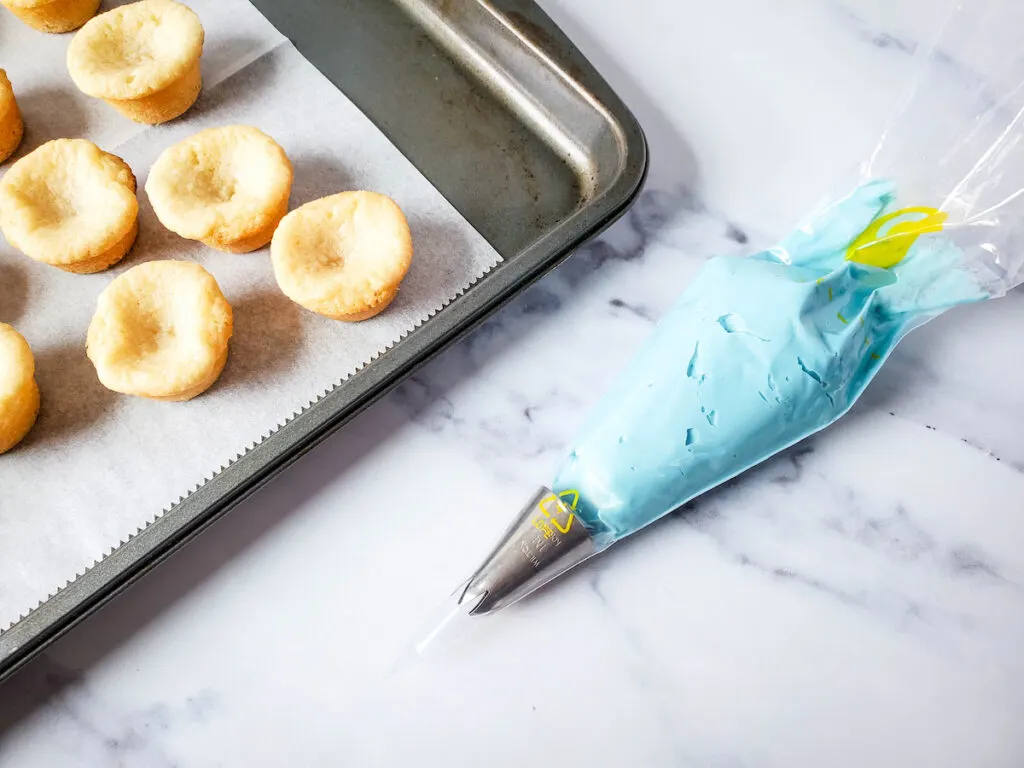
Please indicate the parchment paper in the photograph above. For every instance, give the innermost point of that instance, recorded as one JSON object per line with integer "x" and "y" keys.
{"x": 98, "y": 465}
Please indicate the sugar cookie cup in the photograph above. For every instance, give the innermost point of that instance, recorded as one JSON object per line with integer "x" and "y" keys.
{"x": 227, "y": 187}
{"x": 54, "y": 16}
{"x": 161, "y": 331}
{"x": 19, "y": 393}
{"x": 343, "y": 256}
{"x": 11, "y": 126}
{"x": 71, "y": 205}
{"x": 142, "y": 59}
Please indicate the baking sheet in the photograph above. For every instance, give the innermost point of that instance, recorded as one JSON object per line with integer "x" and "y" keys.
{"x": 99, "y": 466}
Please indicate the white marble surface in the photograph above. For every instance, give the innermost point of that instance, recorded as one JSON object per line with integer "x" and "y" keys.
{"x": 858, "y": 601}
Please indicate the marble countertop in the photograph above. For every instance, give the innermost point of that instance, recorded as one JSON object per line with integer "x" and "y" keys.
{"x": 856, "y": 601}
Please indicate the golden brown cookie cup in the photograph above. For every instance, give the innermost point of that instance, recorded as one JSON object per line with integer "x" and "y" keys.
{"x": 53, "y": 16}
{"x": 143, "y": 59}
{"x": 12, "y": 129}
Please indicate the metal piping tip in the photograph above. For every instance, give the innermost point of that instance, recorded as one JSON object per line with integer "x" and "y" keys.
{"x": 472, "y": 597}
{"x": 544, "y": 541}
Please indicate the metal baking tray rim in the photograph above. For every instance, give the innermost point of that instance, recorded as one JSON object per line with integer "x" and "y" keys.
{"x": 179, "y": 523}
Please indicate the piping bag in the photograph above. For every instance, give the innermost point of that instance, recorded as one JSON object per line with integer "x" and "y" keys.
{"x": 762, "y": 351}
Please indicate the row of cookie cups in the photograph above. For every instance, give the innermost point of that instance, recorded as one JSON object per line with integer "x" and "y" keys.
{"x": 342, "y": 256}
{"x": 73, "y": 206}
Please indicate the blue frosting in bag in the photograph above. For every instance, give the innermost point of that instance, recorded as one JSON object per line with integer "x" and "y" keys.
{"x": 757, "y": 354}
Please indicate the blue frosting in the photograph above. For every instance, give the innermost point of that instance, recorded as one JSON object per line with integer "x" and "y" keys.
{"x": 757, "y": 354}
